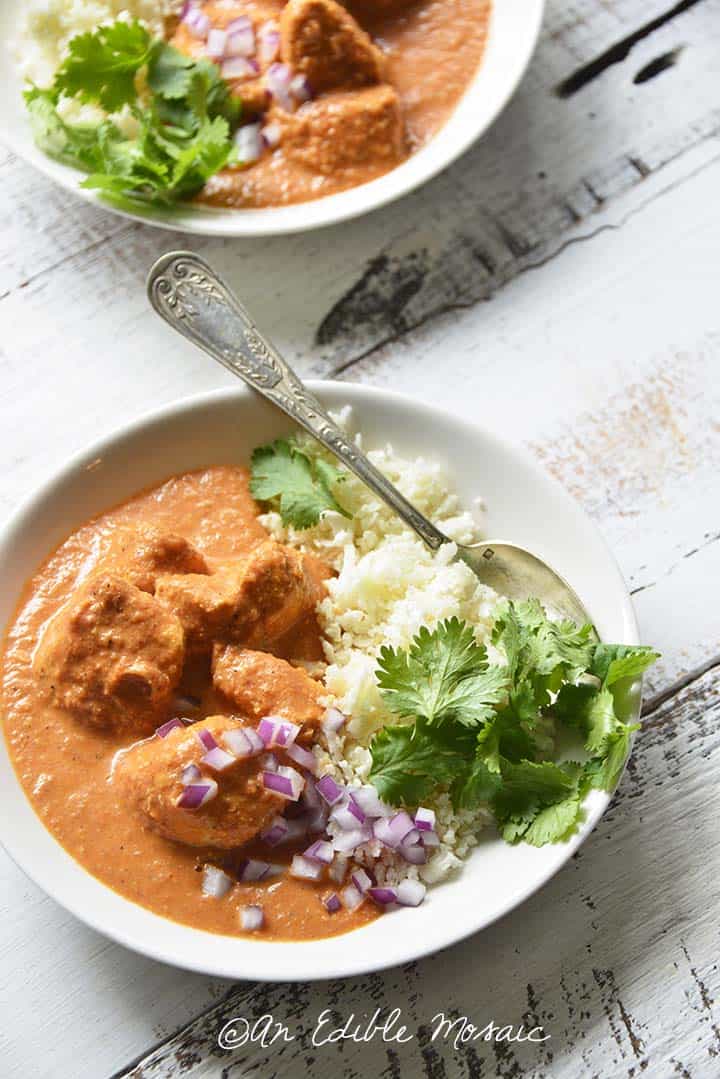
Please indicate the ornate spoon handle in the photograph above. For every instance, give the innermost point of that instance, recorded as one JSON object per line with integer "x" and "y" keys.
{"x": 197, "y": 303}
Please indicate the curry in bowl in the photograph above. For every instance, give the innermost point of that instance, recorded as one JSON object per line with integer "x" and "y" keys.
{"x": 246, "y": 103}
{"x": 254, "y": 703}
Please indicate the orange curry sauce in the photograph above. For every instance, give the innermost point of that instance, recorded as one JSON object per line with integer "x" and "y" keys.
{"x": 64, "y": 766}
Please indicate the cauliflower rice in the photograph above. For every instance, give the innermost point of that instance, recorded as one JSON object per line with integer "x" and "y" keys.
{"x": 388, "y": 585}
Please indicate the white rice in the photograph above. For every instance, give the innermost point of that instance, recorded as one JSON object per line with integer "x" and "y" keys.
{"x": 388, "y": 584}
{"x": 47, "y": 26}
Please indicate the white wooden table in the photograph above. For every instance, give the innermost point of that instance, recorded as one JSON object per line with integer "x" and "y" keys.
{"x": 559, "y": 284}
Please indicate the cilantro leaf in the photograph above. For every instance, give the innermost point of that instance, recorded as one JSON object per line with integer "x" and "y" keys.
{"x": 444, "y": 675}
{"x": 474, "y": 786}
{"x": 303, "y": 486}
{"x": 101, "y": 66}
{"x": 183, "y": 123}
{"x": 409, "y": 761}
{"x": 553, "y": 823}
{"x": 611, "y": 662}
{"x": 604, "y": 771}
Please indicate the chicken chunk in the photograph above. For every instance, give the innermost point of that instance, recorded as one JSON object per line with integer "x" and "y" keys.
{"x": 258, "y": 684}
{"x": 112, "y": 656}
{"x": 253, "y": 602}
{"x": 321, "y": 40}
{"x": 141, "y": 555}
{"x": 150, "y": 777}
{"x": 343, "y": 132}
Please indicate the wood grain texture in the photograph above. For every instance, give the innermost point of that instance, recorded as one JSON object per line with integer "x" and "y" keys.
{"x": 590, "y": 223}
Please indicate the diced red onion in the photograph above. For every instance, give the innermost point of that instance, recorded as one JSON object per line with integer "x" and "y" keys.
{"x": 338, "y": 869}
{"x": 197, "y": 22}
{"x": 273, "y": 730}
{"x": 369, "y": 801}
{"x": 332, "y": 903}
{"x": 320, "y": 851}
{"x": 303, "y": 757}
{"x": 271, "y": 135}
{"x": 317, "y": 820}
{"x": 425, "y": 820}
{"x": 189, "y": 774}
{"x": 300, "y": 89}
{"x": 347, "y": 842}
{"x": 383, "y": 832}
{"x": 310, "y": 797}
{"x": 215, "y": 882}
{"x": 351, "y": 897}
{"x": 286, "y": 782}
{"x": 216, "y": 42}
{"x": 251, "y": 869}
{"x": 164, "y": 730}
{"x": 347, "y": 815}
{"x": 430, "y": 839}
{"x": 218, "y": 759}
{"x": 240, "y": 22}
{"x": 243, "y": 742}
{"x": 206, "y": 739}
{"x": 252, "y": 917}
{"x": 414, "y": 853}
{"x": 278, "y": 83}
{"x": 383, "y": 896}
{"x": 196, "y": 795}
{"x": 240, "y": 42}
{"x": 329, "y": 790}
{"x": 333, "y": 721}
{"x": 268, "y": 43}
{"x": 305, "y": 868}
{"x": 239, "y": 67}
{"x": 276, "y": 832}
{"x": 401, "y": 824}
{"x": 410, "y": 893}
{"x": 360, "y": 879}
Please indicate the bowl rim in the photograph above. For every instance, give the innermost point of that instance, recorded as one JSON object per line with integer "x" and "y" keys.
{"x": 518, "y": 46}
{"x": 252, "y": 969}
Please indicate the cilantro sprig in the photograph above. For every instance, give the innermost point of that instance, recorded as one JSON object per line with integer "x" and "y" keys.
{"x": 301, "y": 486}
{"x": 181, "y": 109}
{"x": 480, "y": 729}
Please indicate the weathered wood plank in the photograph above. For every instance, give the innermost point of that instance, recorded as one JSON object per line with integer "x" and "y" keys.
{"x": 577, "y": 960}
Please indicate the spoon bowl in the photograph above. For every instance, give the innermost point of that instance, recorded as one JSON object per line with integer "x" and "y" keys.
{"x": 196, "y": 302}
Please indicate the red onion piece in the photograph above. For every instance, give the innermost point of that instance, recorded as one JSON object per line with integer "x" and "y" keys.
{"x": 332, "y": 903}
{"x": 347, "y": 842}
{"x": 425, "y": 820}
{"x": 239, "y": 67}
{"x": 351, "y": 897}
{"x": 238, "y": 743}
{"x": 252, "y": 917}
{"x": 317, "y": 820}
{"x": 215, "y": 882}
{"x": 401, "y": 825}
{"x": 361, "y": 880}
{"x": 333, "y": 721}
{"x": 218, "y": 759}
{"x": 240, "y": 42}
{"x": 300, "y": 89}
{"x": 305, "y": 869}
{"x": 276, "y": 832}
{"x": 189, "y": 774}
{"x": 164, "y": 730}
{"x": 310, "y": 797}
{"x": 383, "y": 831}
{"x": 286, "y": 782}
{"x": 414, "y": 853}
{"x": 430, "y": 839}
{"x": 216, "y": 42}
{"x": 320, "y": 851}
{"x": 196, "y": 795}
{"x": 197, "y": 22}
{"x": 410, "y": 893}
{"x": 206, "y": 739}
{"x": 251, "y": 869}
{"x": 303, "y": 757}
{"x": 369, "y": 801}
{"x": 347, "y": 815}
{"x": 273, "y": 730}
{"x": 278, "y": 83}
{"x": 268, "y": 43}
{"x": 383, "y": 896}
{"x": 241, "y": 22}
{"x": 271, "y": 135}
{"x": 329, "y": 790}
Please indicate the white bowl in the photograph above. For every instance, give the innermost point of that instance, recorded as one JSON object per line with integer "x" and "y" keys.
{"x": 513, "y": 32}
{"x": 524, "y": 504}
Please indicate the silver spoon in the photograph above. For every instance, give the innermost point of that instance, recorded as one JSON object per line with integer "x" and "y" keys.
{"x": 196, "y": 302}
